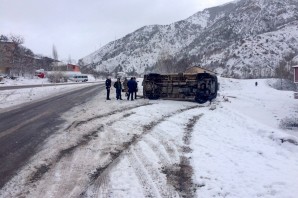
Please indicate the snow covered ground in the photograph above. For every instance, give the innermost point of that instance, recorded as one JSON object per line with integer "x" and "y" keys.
{"x": 32, "y": 81}
{"x": 231, "y": 148}
{"x": 14, "y": 97}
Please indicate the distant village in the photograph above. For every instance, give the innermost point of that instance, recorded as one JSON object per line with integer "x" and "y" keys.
{"x": 19, "y": 61}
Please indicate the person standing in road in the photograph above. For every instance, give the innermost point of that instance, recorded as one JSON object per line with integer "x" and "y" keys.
{"x": 125, "y": 88}
{"x": 136, "y": 87}
{"x": 108, "y": 87}
{"x": 118, "y": 87}
{"x": 131, "y": 87}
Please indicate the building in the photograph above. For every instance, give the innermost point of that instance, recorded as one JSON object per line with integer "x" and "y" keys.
{"x": 71, "y": 67}
{"x": 196, "y": 69}
{"x": 68, "y": 67}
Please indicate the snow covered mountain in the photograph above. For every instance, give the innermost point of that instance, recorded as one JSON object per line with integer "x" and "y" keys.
{"x": 242, "y": 39}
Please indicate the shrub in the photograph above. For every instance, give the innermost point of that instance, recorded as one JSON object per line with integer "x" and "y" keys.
{"x": 282, "y": 84}
{"x": 57, "y": 77}
{"x": 289, "y": 123}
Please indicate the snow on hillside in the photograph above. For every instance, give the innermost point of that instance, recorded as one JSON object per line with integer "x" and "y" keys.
{"x": 268, "y": 49}
{"x": 240, "y": 39}
{"x": 200, "y": 18}
{"x": 167, "y": 148}
{"x": 142, "y": 47}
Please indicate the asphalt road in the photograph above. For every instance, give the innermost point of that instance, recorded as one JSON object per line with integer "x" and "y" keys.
{"x": 23, "y": 130}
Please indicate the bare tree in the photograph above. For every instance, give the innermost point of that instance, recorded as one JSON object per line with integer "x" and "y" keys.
{"x": 164, "y": 63}
{"x": 54, "y": 53}
{"x": 57, "y": 75}
{"x": 23, "y": 58}
{"x": 69, "y": 61}
{"x": 55, "y": 57}
{"x": 282, "y": 73}
{"x": 19, "y": 40}
{"x": 3, "y": 38}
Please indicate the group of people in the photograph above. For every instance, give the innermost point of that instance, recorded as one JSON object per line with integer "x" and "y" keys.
{"x": 131, "y": 86}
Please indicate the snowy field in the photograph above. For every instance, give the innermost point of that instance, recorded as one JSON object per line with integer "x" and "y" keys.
{"x": 231, "y": 148}
{"x": 34, "y": 80}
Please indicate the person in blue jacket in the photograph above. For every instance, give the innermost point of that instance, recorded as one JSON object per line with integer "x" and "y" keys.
{"x": 131, "y": 84}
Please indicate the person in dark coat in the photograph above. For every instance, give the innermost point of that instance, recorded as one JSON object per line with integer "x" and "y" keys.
{"x": 108, "y": 87}
{"x": 136, "y": 87}
{"x": 131, "y": 84}
{"x": 118, "y": 87}
{"x": 125, "y": 88}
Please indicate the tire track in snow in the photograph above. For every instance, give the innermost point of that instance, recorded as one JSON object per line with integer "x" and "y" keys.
{"x": 75, "y": 124}
{"x": 115, "y": 155}
{"x": 148, "y": 127}
{"x": 37, "y": 175}
{"x": 157, "y": 149}
{"x": 189, "y": 128}
{"x": 144, "y": 178}
{"x": 44, "y": 168}
{"x": 180, "y": 175}
{"x": 170, "y": 148}
{"x": 124, "y": 116}
{"x": 154, "y": 174}
{"x": 65, "y": 166}
{"x": 103, "y": 171}
{"x": 68, "y": 152}
{"x": 101, "y": 187}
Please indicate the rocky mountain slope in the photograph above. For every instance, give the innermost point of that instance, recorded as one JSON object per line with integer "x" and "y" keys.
{"x": 246, "y": 38}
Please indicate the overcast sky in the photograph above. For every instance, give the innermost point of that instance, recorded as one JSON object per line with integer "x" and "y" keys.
{"x": 79, "y": 27}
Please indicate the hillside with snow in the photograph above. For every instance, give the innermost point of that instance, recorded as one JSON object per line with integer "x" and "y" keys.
{"x": 246, "y": 38}
{"x": 231, "y": 148}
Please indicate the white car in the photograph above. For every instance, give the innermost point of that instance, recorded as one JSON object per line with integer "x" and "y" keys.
{"x": 79, "y": 78}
